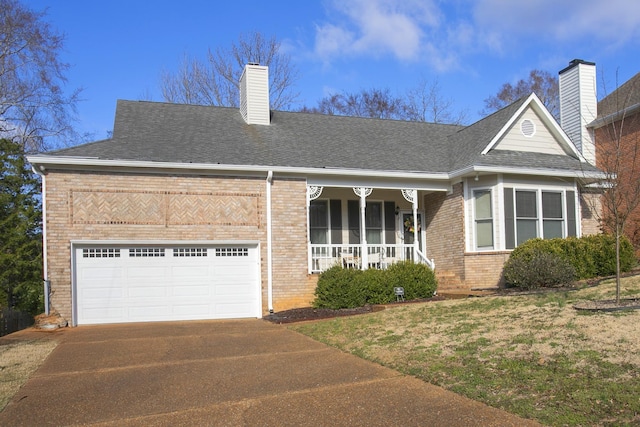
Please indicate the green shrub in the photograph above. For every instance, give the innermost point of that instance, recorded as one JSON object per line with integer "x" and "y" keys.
{"x": 347, "y": 288}
{"x": 539, "y": 269}
{"x": 378, "y": 288}
{"x": 603, "y": 250}
{"x": 418, "y": 280}
{"x": 340, "y": 288}
{"x": 590, "y": 256}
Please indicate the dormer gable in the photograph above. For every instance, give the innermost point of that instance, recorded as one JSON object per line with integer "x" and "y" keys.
{"x": 533, "y": 129}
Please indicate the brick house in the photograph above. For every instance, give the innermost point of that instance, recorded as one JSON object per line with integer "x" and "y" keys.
{"x": 616, "y": 129}
{"x": 198, "y": 212}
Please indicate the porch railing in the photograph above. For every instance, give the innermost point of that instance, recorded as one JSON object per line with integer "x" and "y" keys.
{"x": 324, "y": 257}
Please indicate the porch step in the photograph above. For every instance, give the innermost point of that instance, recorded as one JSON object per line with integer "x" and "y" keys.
{"x": 449, "y": 281}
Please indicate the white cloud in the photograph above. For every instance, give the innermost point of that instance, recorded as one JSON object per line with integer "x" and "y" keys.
{"x": 376, "y": 27}
{"x": 608, "y": 22}
{"x": 442, "y": 33}
{"x": 331, "y": 40}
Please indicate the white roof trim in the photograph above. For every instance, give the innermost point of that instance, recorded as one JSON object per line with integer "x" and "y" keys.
{"x": 45, "y": 161}
{"x": 527, "y": 171}
{"x": 534, "y": 102}
{"x": 614, "y": 117}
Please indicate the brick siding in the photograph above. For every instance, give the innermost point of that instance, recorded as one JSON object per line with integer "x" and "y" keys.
{"x": 484, "y": 270}
{"x": 444, "y": 219}
{"x": 621, "y": 141}
{"x": 134, "y": 207}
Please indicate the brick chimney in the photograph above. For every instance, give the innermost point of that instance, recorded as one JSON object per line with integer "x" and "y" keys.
{"x": 579, "y": 105}
{"x": 254, "y": 94}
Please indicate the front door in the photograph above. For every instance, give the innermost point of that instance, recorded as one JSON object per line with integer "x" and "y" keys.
{"x": 406, "y": 226}
{"x": 408, "y": 236}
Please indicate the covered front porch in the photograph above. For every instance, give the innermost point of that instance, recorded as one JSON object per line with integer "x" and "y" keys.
{"x": 366, "y": 227}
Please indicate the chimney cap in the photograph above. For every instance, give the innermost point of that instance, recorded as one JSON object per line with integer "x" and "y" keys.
{"x": 574, "y": 63}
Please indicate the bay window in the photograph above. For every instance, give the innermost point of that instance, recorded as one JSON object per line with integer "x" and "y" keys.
{"x": 536, "y": 213}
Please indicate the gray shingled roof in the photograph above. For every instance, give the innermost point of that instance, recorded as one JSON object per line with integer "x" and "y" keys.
{"x": 467, "y": 144}
{"x": 181, "y": 133}
{"x": 626, "y": 96}
{"x": 163, "y": 132}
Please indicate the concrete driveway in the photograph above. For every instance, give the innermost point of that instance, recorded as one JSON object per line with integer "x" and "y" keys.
{"x": 226, "y": 373}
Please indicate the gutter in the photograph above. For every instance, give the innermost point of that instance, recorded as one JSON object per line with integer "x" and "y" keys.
{"x": 304, "y": 171}
{"x": 527, "y": 171}
{"x": 217, "y": 168}
{"x": 269, "y": 241}
{"x": 45, "y": 275}
{"x": 614, "y": 117}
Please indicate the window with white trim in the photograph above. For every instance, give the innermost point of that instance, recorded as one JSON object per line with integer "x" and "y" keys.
{"x": 373, "y": 223}
{"x": 552, "y": 215}
{"x": 146, "y": 252}
{"x": 233, "y": 252}
{"x": 319, "y": 222}
{"x": 483, "y": 219}
{"x": 100, "y": 253}
{"x": 538, "y": 213}
{"x": 189, "y": 252}
{"x": 526, "y": 216}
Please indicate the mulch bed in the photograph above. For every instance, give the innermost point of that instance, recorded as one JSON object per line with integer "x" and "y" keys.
{"x": 310, "y": 313}
{"x": 609, "y": 305}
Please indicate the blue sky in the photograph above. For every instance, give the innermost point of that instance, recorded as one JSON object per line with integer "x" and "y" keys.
{"x": 117, "y": 49}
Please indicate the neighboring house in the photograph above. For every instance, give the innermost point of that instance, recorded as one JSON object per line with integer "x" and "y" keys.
{"x": 616, "y": 128}
{"x": 197, "y": 212}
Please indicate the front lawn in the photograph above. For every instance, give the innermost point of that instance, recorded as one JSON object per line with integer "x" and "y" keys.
{"x": 532, "y": 355}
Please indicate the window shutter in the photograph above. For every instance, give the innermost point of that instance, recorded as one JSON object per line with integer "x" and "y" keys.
{"x": 353, "y": 208}
{"x": 571, "y": 213}
{"x": 509, "y": 220}
{"x": 390, "y": 223}
{"x": 335, "y": 208}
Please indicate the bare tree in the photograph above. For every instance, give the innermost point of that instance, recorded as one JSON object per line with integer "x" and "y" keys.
{"x": 372, "y": 103}
{"x": 215, "y": 81}
{"x": 425, "y": 103}
{"x": 542, "y": 83}
{"x": 33, "y": 105}
{"x": 617, "y": 136}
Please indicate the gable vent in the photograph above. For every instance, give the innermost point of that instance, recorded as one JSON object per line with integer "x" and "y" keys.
{"x": 528, "y": 128}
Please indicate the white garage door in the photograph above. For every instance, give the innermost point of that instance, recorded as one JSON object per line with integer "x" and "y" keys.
{"x": 116, "y": 284}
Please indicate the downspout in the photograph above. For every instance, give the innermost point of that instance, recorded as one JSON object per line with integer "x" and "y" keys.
{"x": 269, "y": 257}
{"x": 45, "y": 274}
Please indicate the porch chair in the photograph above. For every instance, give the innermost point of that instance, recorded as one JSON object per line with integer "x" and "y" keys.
{"x": 375, "y": 260}
{"x": 386, "y": 260}
{"x": 350, "y": 260}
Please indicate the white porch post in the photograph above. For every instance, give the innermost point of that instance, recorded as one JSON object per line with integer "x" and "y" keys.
{"x": 416, "y": 241}
{"x": 412, "y": 196}
{"x": 363, "y": 232}
{"x": 313, "y": 192}
{"x": 363, "y": 192}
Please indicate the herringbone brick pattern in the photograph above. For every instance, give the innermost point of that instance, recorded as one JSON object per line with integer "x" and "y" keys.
{"x": 116, "y": 207}
{"x": 214, "y": 209}
{"x": 164, "y": 208}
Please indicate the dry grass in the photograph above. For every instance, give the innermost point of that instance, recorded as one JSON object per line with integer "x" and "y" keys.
{"x": 534, "y": 355}
{"x": 18, "y": 361}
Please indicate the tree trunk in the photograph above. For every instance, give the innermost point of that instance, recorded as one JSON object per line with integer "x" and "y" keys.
{"x": 617, "y": 265}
